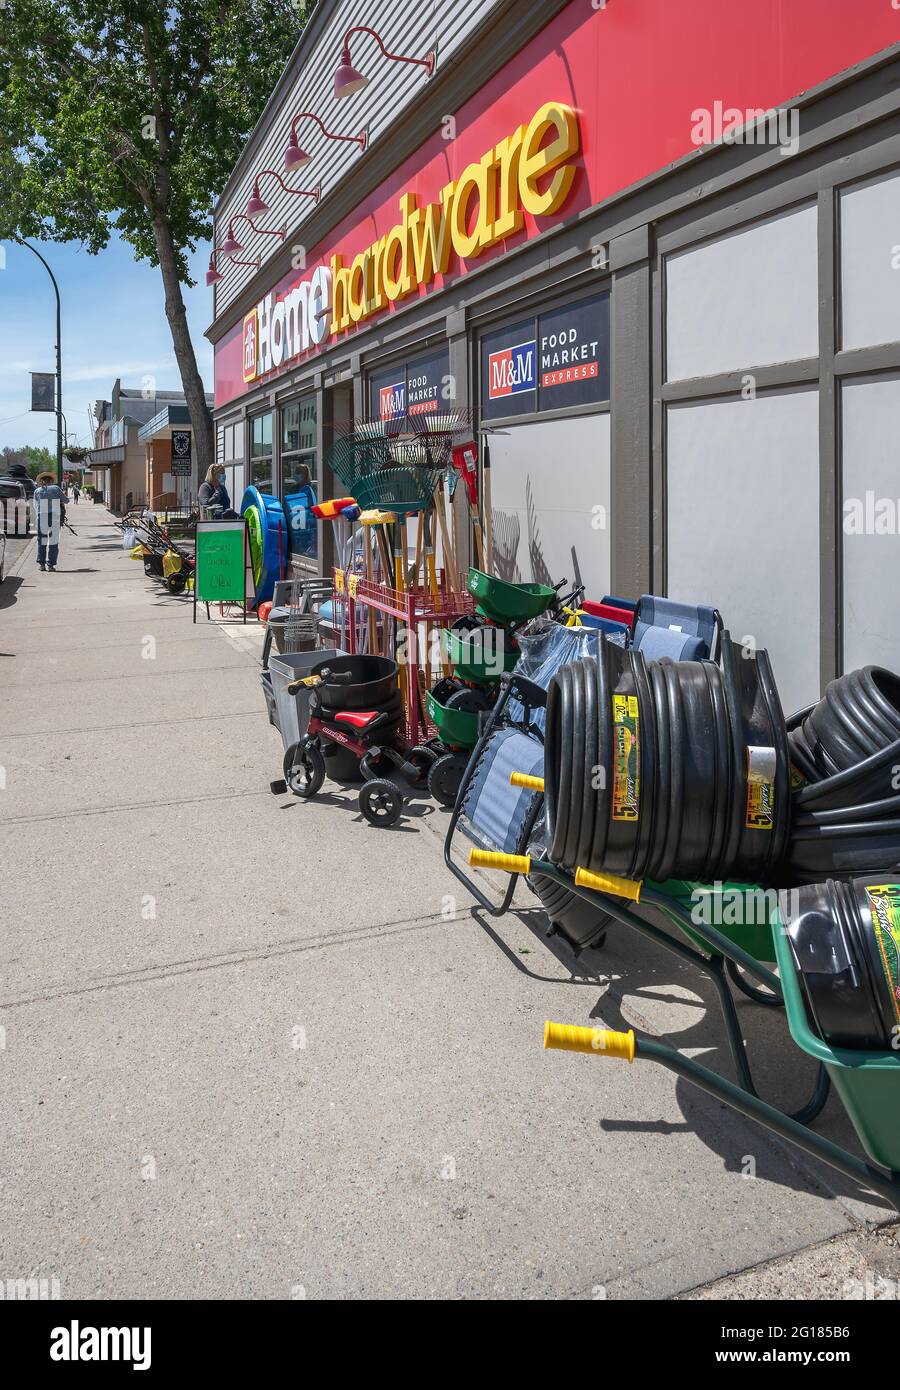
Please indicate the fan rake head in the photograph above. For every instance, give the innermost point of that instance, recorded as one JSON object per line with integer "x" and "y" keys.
{"x": 396, "y": 465}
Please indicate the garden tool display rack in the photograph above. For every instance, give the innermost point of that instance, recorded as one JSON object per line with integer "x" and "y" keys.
{"x": 412, "y": 609}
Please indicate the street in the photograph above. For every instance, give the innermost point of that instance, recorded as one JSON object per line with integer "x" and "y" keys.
{"x": 255, "y": 1048}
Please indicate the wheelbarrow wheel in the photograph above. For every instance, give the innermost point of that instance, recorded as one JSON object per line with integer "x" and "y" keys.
{"x": 380, "y": 802}
{"x": 175, "y": 583}
{"x": 304, "y": 769}
{"x": 445, "y": 778}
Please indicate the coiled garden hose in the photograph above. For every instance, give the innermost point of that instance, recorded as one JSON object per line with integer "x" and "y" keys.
{"x": 845, "y": 753}
{"x": 859, "y": 715}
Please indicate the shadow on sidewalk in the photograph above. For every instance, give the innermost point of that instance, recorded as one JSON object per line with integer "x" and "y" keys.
{"x": 8, "y": 590}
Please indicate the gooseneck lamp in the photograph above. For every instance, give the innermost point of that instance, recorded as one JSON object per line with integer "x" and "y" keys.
{"x": 231, "y": 244}
{"x": 256, "y": 205}
{"x": 214, "y": 275}
{"x": 347, "y": 80}
{"x": 296, "y": 158}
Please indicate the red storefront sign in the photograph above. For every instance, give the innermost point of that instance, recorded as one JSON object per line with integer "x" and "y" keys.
{"x": 647, "y": 81}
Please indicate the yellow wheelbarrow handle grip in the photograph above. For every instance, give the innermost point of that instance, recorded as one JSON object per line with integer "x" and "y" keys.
{"x": 609, "y": 883}
{"x": 511, "y": 863}
{"x": 603, "y": 1042}
{"x": 524, "y": 779}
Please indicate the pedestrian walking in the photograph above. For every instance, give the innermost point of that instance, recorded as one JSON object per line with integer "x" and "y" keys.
{"x": 76, "y": 491}
{"x": 50, "y": 514}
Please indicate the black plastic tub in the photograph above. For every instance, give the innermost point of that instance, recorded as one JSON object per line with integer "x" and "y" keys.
{"x": 844, "y": 939}
{"x": 372, "y": 684}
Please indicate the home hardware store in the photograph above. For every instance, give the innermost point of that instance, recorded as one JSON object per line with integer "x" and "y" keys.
{"x": 651, "y": 244}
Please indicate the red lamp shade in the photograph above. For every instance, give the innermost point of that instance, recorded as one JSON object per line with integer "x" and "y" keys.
{"x": 347, "y": 80}
{"x": 213, "y": 276}
{"x": 231, "y": 244}
{"x": 255, "y": 204}
{"x": 294, "y": 157}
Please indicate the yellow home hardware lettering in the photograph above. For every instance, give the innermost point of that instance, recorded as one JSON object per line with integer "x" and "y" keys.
{"x": 486, "y": 204}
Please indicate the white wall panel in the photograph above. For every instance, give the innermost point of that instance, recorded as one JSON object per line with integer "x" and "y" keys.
{"x": 870, "y": 410}
{"x": 743, "y": 524}
{"x": 407, "y": 29}
{"x": 550, "y": 490}
{"x": 870, "y": 263}
{"x": 745, "y": 299}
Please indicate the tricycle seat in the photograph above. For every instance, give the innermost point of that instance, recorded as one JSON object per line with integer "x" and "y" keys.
{"x": 357, "y": 719}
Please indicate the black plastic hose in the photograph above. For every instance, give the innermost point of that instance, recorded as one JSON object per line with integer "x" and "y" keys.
{"x": 667, "y": 769}
{"x": 845, "y": 753}
{"x": 859, "y": 715}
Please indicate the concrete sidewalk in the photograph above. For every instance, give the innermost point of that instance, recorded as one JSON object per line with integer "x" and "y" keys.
{"x": 256, "y": 1048}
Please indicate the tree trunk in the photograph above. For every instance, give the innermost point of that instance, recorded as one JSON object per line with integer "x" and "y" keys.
{"x": 191, "y": 381}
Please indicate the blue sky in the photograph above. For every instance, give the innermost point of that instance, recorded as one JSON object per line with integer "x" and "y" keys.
{"x": 113, "y": 325}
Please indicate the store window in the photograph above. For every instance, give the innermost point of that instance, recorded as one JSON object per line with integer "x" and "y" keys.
{"x": 743, "y": 515}
{"x": 231, "y": 456}
{"x": 261, "y": 452}
{"x": 299, "y": 476}
{"x": 870, "y": 262}
{"x": 745, "y": 299}
{"x": 870, "y": 410}
{"x": 550, "y": 477}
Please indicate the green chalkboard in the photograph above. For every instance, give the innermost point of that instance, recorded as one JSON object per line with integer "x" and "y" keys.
{"x": 221, "y": 574}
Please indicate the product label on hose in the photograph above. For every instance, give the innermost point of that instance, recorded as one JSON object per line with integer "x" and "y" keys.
{"x": 626, "y": 788}
{"x": 884, "y": 900}
{"x": 761, "y": 767}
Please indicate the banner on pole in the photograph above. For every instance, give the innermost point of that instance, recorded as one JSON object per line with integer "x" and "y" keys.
{"x": 43, "y": 392}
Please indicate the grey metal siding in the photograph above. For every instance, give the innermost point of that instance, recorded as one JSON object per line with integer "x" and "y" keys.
{"x": 406, "y": 29}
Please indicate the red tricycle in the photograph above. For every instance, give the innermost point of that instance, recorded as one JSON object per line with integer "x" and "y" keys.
{"x": 370, "y": 736}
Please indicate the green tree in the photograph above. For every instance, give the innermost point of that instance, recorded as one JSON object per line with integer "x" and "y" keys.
{"x": 128, "y": 116}
{"x": 39, "y": 460}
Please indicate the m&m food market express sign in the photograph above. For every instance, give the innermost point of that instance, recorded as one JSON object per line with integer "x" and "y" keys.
{"x": 530, "y": 171}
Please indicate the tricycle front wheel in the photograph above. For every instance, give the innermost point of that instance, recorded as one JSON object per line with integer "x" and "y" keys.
{"x": 304, "y": 769}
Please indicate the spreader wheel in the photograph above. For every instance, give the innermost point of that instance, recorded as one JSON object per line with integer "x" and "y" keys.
{"x": 446, "y": 776}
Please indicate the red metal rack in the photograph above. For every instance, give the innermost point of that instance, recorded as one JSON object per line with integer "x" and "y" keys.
{"x": 413, "y": 609}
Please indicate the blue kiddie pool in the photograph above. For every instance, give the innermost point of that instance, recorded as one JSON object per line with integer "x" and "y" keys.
{"x": 268, "y": 537}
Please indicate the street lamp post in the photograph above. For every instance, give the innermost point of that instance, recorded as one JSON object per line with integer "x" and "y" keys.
{"x": 59, "y": 414}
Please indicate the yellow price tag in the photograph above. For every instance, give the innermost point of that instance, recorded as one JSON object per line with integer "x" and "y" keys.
{"x": 352, "y": 585}
{"x": 339, "y": 578}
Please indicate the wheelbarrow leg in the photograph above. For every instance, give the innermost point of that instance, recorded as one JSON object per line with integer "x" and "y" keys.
{"x": 789, "y": 1127}
{"x": 712, "y": 965}
{"x": 601, "y": 1042}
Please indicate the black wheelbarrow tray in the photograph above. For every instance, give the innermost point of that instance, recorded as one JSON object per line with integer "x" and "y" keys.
{"x": 868, "y": 1083}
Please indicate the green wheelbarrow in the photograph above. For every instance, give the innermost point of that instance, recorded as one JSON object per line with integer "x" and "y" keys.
{"x": 868, "y": 1083}
{"x": 719, "y": 951}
